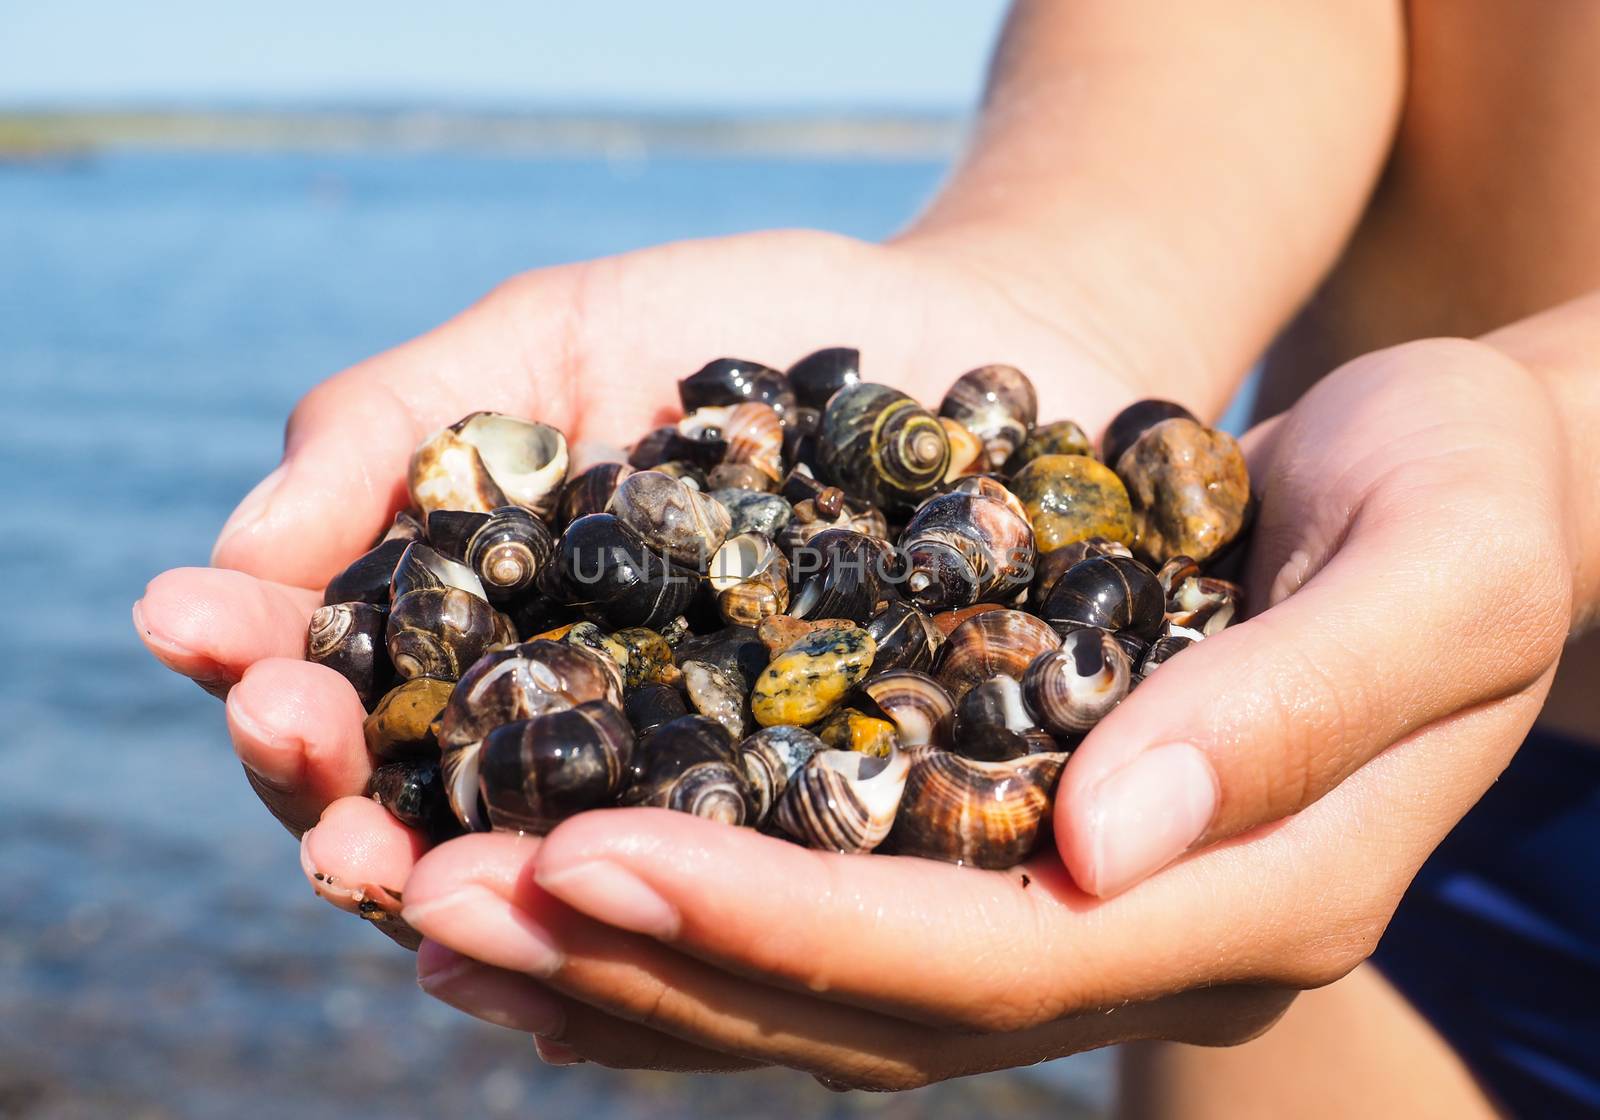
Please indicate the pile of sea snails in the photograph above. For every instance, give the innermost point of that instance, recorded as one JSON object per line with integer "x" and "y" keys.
{"x": 811, "y": 606}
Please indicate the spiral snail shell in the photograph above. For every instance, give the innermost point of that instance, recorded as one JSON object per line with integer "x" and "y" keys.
{"x": 966, "y": 811}
{"x": 422, "y": 566}
{"x": 535, "y": 773}
{"x": 997, "y": 404}
{"x": 919, "y": 706}
{"x": 880, "y": 445}
{"x": 589, "y": 491}
{"x": 750, "y": 433}
{"x": 689, "y": 765}
{"x": 962, "y": 548}
{"x": 993, "y": 722}
{"x": 991, "y": 644}
{"x": 606, "y": 566}
{"x": 507, "y": 552}
{"x": 349, "y": 639}
{"x": 1073, "y": 688}
{"x": 842, "y": 801}
{"x": 838, "y": 574}
{"x": 1109, "y": 592}
{"x": 486, "y": 460}
{"x": 440, "y": 631}
{"x": 750, "y": 578}
{"x": 770, "y": 759}
{"x": 906, "y": 637}
{"x": 681, "y": 523}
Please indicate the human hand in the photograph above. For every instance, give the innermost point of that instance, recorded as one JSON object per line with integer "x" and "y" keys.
{"x": 1411, "y": 554}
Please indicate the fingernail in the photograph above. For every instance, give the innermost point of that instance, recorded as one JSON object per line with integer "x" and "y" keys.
{"x": 483, "y": 992}
{"x": 555, "y": 1054}
{"x": 250, "y": 511}
{"x": 612, "y": 894}
{"x": 476, "y": 916}
{"x": 1147, "y": 814}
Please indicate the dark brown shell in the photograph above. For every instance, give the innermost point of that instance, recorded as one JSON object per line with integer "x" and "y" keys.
{"x": 993, "y": 723}
{"x": 997, "y": 404}
{"x": 842, "y": 801}
{"x": 990, "y": 644}
{"x": 963, "y": 548}
{"x": 816, "y": 377}
{"x": 689, "y": 765}
{"x": 750, "y": 433}
{"x": 1071, "y": 689}
{"x": 1132, "y": 422}
{"x": 535, "y": 773}
{"x": 906, "y": 638}
{"x": 590, "y": 491}
{"x": 367, "y": 578}
{"x": 683, "y": 524}
{"x": 508, "y": 551}
{"x": 881, "y": 446}
{"x": 349, "y": 639}
{"x": 983, "y": 814}
{"x": 734, "y": 381}
{"x": 919, "y": 706}
{"x": 1109, "y": 592}
{"x": 441, "y": 631}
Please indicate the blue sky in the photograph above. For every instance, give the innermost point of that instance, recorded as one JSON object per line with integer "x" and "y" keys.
{"x": 665, "y": 54}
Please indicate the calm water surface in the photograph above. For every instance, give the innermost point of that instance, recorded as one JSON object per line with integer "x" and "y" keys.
{"x": 160, "y": 952}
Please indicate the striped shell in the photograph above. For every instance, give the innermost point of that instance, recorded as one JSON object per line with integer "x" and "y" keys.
{"x": 991, "y": 644}
{"x": 881, "y": 446}
{"x": 751, "y": 432}
{"x": 997, "y": 404}
{"x": 842, "y": 801}
{"x": 983, "y": 814}
{"x": 964, "y": 548}
{"x": 1071, "y": 689}
{"x": 670, "y": 516}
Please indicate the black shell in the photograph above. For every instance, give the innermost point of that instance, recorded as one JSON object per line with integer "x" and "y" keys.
{"x": 367, "y": 578}
{"x": 423, "y": 566}
{"x": 838, "y": 574}
{"x": 997, "y": 404}
{"x": 413, "y": 792}
{"x": 508, "y": 551}
{"x": 1051, "y": 566}
{"x": 734, "y": 381}
{"x": 349, "y": 639}
{"x": 449, "y": 530}
{"x": 606, "y": 566}
{"x": 880, "y": 445}
{"x": 440, "y": 631}
{"x": 961, "y": 548}
{"x": 906, "y": 638}
{"x": 1132, "y": 422}
{"x": 652, "y": 704}
{"x": 800, "y": 435}
{"x": 993, "y": 723}
{"x": 819, "y": 375}
{"x": 589, "y": 491}
{"x": 1161, "y": 651}
{"x": 690, "y": 765}
{"x": 535, "y": 773}
{"x": 1110, "y": 592}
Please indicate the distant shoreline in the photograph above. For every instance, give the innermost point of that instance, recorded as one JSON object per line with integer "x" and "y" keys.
{"x": 48, "y": 134}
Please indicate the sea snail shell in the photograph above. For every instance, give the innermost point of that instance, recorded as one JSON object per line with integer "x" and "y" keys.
{"x": 997, "y": 404}
{"x": 843, "y": 801}
{"x": 984, "y": 814}
{"x": 535, "y": 773}
{"x": 486, "y": 460}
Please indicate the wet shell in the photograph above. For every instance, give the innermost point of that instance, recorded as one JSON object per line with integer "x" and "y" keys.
{"x": 906, "y": 637}
{"x": 983, "y": 814}
{"x": 810, "y": 678}
{"x": 752, "y": 511}
{"x": 640, "y": 655}
{"x": 781, "y": 631}
{"x": 818, "y": 376}
{"x": 1132, "y": 422}
{"x": 1109, "y": 592}
{"x": 605, "y": 566}
{"x": 406, "y": 526}
{"x": 739, "y": 476}
{"x": 965, "y": 450}
{"x": 349, "y": 639}
{"x": 1203, "y": 604}
{"x": 422, "y": 566}
{"x": 1071, "y": 498}
{"x": 919, "y": 706}
{"x": 839, "y": 573}
{"x": 684, "y": 525}
{"x": 849, "y": 729}
{"x": 843, "y": 801}
{"x": 449, "y": 530}
{"x": 689, "y": 765}
{"x": 831, "y": 510}
{"x": 590, "y": 491}
{"x": 993, "y": 722}
{"x": 1161, "y": 651}
{"x": 946, "y": 621}
{"x": 691, "y": 473}
{"x": 737, "y": 650}
{"x": 401, "y": 726}
{"x": 1063, "y": 437}
{"x": 735, "y": 381}
{"x": 881, "y": 446}
{"x": 441, "y": 631}
{"x": 650, "y": 705}
{"x": 1071, "y": 689}
{"x": 1051, "y": 566}
{"x": 367, "y": 578}
{"x": 749, "y": 433}
{"x": 536, "y": 773}
{"x": 750, "y": 578}
{"x": 997, "y": 404}
{"x": 962, "y": 548}
{"x": 508, "y": 551}
{"x": 715, "y": 695}
{"x": 486, "y": 460}
{"x": 770, "y": 758}
{"x": 994, "y": 643}
{"x": 987, "y": 486}
{"x": 413, "y": 792}
{"x": 1189, "y": 488}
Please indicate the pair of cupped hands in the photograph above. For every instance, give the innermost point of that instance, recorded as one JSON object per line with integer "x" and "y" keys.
{"x": 1241, "y": 828}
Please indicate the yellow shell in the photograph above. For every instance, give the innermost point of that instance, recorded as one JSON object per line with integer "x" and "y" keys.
{"x": 809, "y": 679}
{"x": 850, "y": 730}
{"x": 1071, "y": 498}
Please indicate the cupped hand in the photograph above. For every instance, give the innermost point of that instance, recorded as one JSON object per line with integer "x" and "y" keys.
{"x": 1412, "y": 561}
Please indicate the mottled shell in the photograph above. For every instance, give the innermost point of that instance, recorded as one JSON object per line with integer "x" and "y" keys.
{"x": 906, "y": 637}
{"x": 508, "y": 551}
{"x": 993, "y": 723}
{"x": 401, "y": 726}
{"x": 1132, "y": 422}
{"x": 689, "y": 765}
{"x": 349, "y": 639}
{"x": 750, "y": 578}
{"x": 486, "y": 460}
{"x": 850, "y": 729}
{"x": 1071, "y": 689}
{"x": 963, "y": 548}
{"x": 880, "y": 445}
{"x": 1108, "y": 592}
{"x": 413, "y": 792}
{"x": 752, "y": 511}
{"x": 1071, "y": 498}
{"x": 817, "y": 377}
{"x": 740, "y": 476}
{"x": 422, "y": 566}
{"x": 590, "y": 491}
{"x": 682, "y": 524}
{"x": 640, "y": 655}
{"x": 839, "y": 573}
{"x": 715, "y": 695}
{"x": 997, "y": 404}
{"x": 1063, "y": 437}
{"x": 607, "y": 567}
{"x": 536, "y": 773}
{"x": 919, "y": 706}
{"x": 991, "y": 644}
{"x": 441, "y": 631}
{"x": 734, "y": 381}
{"x": 770, "y": 758}
{"x": 843, "y": 801}
{"x": 1189, "y": 488}
{"x": 966, "y": 449}
{"x": 749, "y": 433}
{"x": 983, "y": 814}
{"x": 810, "y": 678}
{"x": 368, "y": 577}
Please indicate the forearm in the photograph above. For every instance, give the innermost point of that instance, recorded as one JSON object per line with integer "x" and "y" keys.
{"x": 1186, "y": 171}
{"x": 1561, "y": 348}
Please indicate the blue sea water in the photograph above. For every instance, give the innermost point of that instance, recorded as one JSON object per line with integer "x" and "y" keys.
{"x": 160, "y": 952}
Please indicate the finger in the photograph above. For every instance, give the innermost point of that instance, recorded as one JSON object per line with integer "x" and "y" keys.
{"x": 477, "y": 897}
{"x": 296, "y": 727}
{"x": 512, "y": 1000}
{"x": 358, "y": 856}
{"x": 211, "y": 625}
